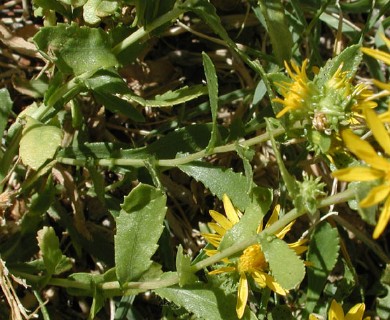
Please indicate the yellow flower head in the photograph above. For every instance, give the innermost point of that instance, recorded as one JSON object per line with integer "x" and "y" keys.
{"x": 336, "y": 312}
{"x": 379, "y": 167}
{"x": 252, "y": 261}
{"x": 325, "y": 102}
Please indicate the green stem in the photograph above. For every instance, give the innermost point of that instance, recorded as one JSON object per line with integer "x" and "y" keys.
{"x": 58, "y": 282}
{"x": 147, "y": 285}
{"x": 143, "y": 31}
{"x": 68, "y": 88}
{"x": 289, "y": 181}
{"x": 171, "y": 162}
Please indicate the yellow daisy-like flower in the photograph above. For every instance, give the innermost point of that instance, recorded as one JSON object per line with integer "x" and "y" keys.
{"x": 336, "y": 312}
{"x": 252, "y": 261}
{"x": 327, "y": 104}
{"x": 295, "y": 93}
{"x": 379, "y": 167}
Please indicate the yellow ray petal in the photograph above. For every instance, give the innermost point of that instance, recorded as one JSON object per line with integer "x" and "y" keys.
{"x": 211, "y": 252}
{"x": 214, "y": 239}
{"x": 242, "y": 295}
{"x": 299, "y": 246}
{"x": 260, "y": 279}
{"x": 384, "y": 218}
{"x": 230, "y": 211}
{"x": 335, "y": 312}
{"x": 376, "y": 195}
{"x": 274, "y": 216}
{"x": 280, "y": 234}
{"x": 265, "y": 280}
{"x": 217, "y": 228}
{"x": 358, "y": 174}
{"x": 364, "y": 151}
{"x": 312, "y": 317}
{"x": 223, "y": 270}
{"x": 378, "y": 130}
{"x": 284, "y": 111}
{"x": 356, "y": 312}
{"x": 274, "y": 286}
{"x": 382, "y": 85}
{"x": 377, "y": 54}
{"x": 221, "y": 220}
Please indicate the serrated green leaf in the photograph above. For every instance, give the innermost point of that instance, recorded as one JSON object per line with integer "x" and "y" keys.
{"x": 55, "y": 262}
{"x": 94, "y": 10}
{"x": 204, "y": 301}
{"x": 286, "y": 267}
{"x": 39, "y": 143}
{"x": 139, "y": 226}
{"x": 183, "y": 267}
{"x": 322, "y": 255}
{"x": 75, "y": 50}
{"x": 219, "y": 181}
{"x": 212, "y": 86}
{"x": 261, "y": 200}
{"x": 277, "y": 27}
{"x": 348, "y": 60}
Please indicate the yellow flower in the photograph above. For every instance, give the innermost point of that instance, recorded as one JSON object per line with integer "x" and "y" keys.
{"x": 326, "y": 104}
{"x": 252, "y": 261}
{"x": 295, "y": 93}
{"x": 336, "y": 312}
{"x": 379, "y": 167}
